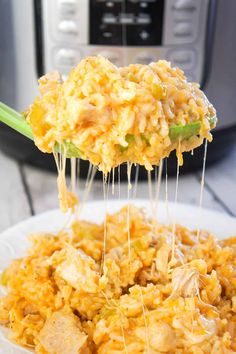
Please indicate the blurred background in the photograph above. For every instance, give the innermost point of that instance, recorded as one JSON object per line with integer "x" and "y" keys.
{"x": 41, "y": 35}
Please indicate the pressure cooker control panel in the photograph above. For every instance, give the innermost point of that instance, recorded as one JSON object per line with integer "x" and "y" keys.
{"x": 129, "y": 23}
{"x": 126, "y": 31}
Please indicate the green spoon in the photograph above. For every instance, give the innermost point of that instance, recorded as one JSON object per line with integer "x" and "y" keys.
{"x": 17, "y": 122}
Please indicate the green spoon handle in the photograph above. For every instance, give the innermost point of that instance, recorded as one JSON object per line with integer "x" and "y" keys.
{"x": 15, "y": 120}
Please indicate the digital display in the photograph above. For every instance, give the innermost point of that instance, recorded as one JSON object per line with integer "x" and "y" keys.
{"x": 126, "y": 22}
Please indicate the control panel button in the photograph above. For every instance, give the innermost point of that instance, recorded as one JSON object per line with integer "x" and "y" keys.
{"x": 186, "y": 5}
{"x": 185, "y": 21}
{"x": 143, "y": 4}
{"x": 126, "y": 19}
{"x": 183, "y": 29}
{"x": 68, "y": 27}
{"x": 109, "y": 4}
{"x": 144, "y": 35}
{"x": 109, "y": 19}
{"x": 68, "y": 7}
{"x": 143, "y": 19}
{"x": 67, "y": 57}
{"x": 185, "y": 59}
{"x": 144, "y": 58}
{"x": 107, "y": 34}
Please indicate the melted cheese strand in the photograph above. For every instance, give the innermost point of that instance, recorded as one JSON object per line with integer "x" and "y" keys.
{"x": 62, "y": 188}
{"x": 112, "y": 304}
{"x": 88, "y": 174}
{"x": 175, "y": 206}
{"x": 203, "y": 174}
{"x": 56, "y": 158}
{"x": 77, "y": 184}
{"x": 136, "y": 181}
{"x": 93, "y": 173}
{"x": 113, "y": 181}
{"x": 129, "y": 186}
{"x": 166, "y": 190}
{"x": 202, "y": 184}
{"x": 158, "y": 185}
{"x": 129, "y": 169}
{"x": 60, "y": 158}
{"x": 104, "y": 181}
{"x": 68, "y": 200}
{"x": 73, "y": 173}
{"x": 61, "y": 180}
{"x": 105, "y": 184}
{"x": 119, "y": 182}
{"x": 63, "y": 159}
{"x": 88, "y": 186}
{"x": 119, "y": 189}
{"x": 155, "y": 178}
{"x": 155, "y": 191}
{"x": 78, "y": 173}
{"x": 150, "y": 192}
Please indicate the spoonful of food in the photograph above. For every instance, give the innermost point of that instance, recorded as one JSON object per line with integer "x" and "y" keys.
{"x": 110, "y": 115}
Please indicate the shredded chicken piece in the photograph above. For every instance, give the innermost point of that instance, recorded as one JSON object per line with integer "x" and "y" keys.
{"x": 185, "y": 282}
{"x": 162, "y": 258}
{"x": 161, "y": 337}
{"x": 62, "y": 334}
{"x": 79, "y": 270}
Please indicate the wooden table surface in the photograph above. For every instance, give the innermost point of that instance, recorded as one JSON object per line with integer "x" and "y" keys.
{"x": 25, "y": 191}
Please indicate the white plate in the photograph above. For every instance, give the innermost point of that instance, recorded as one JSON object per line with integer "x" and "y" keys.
{"x": 13, "y": 242}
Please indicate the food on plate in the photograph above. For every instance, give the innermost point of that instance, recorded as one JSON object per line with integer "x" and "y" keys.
{"x": 110, "y": 115}
{"x": 66, "y": 296}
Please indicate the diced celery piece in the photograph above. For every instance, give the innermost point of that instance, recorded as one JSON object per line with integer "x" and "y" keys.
{"x": 71, "y": 150}
{"x": 182, "y": 132}
{"x": 144, "y": 138}
{"x": 212, "y": 121}
{"x": 130, "y": 138}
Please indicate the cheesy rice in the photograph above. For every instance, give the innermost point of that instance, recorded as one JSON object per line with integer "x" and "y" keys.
{"x": 110, "y": 115}
{"x": 63, "y": 299}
